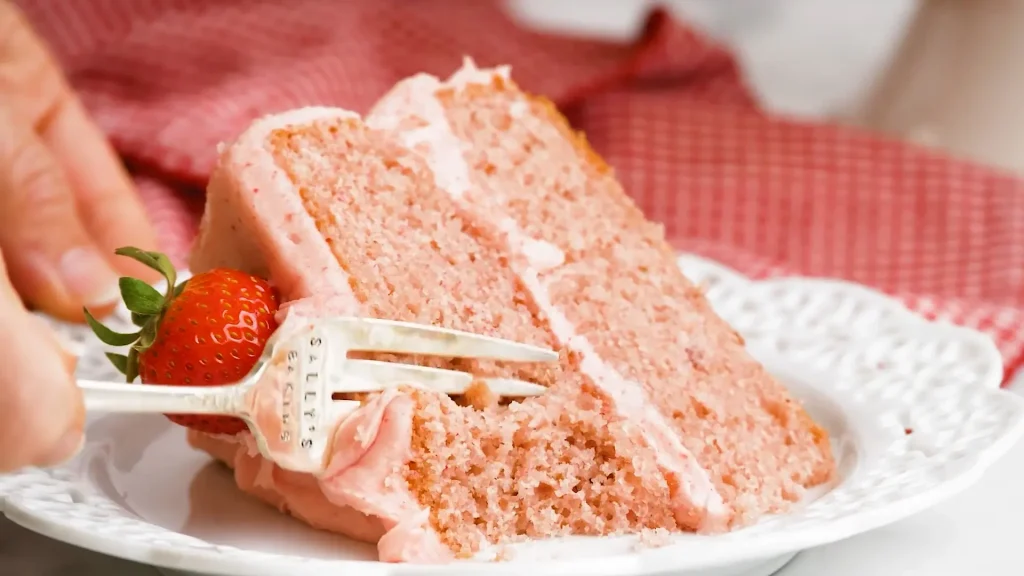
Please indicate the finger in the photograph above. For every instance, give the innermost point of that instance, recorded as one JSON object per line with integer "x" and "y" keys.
{"x": 50, "y": 256}
{"x": 38, "y": 93}
{"x": 28, "y": 74}
{"x": 43, "y": 414}
{"x": 107, "y": 202}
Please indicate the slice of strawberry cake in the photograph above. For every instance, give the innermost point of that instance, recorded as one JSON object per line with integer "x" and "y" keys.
{"x": 471, "y": 205}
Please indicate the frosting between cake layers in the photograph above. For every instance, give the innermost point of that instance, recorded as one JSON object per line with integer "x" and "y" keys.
{"x": 442, "y": 151}
{"x": 448, "y": 166}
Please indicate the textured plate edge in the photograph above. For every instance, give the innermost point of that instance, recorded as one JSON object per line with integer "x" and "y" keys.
{"x": 213, "y": 562}
{"x": 993, "y": 379}
{"x": 769, "y": 545}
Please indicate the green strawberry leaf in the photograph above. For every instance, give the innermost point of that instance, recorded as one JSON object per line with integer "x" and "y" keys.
{"x": 140, "y": 320}
{"x": 167, "y": 269}
{"x": 108, "y": 336}
{"x": 154, "y": 260}
{"x": 140, "y": 297}
{"x": 120, "y": 361}
{"x": 139, "y": 256}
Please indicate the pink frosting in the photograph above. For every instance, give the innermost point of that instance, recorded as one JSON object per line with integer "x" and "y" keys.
{"x": 371, "y": 449}
{"x": 362, "y": 493}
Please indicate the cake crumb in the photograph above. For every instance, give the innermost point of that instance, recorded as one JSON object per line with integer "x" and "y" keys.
{"x": 480, "y": 396}
{"x": 504, "y": 554}
{"x": 656, "y": 538}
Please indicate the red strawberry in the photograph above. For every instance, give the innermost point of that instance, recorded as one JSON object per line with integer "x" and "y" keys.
{"x": 206, "y": 331}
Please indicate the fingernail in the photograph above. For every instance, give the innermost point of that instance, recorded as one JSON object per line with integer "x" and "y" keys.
{"x": 87, "y": 275}
{"x": 65, "y": 449}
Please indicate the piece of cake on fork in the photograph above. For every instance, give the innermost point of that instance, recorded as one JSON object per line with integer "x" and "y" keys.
{"x": 471, "y": 205}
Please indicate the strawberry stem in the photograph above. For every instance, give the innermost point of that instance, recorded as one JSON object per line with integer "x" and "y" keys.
{"x": 131, "y": 369}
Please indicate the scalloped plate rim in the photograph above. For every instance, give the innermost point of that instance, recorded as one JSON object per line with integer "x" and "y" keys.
{"x": 992, "y": 380}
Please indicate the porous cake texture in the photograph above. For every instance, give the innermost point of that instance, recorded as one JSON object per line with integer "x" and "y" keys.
{"x": 472, "y": 205}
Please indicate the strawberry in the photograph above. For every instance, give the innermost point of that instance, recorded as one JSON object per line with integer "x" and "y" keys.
{"x": 206, "y": 331}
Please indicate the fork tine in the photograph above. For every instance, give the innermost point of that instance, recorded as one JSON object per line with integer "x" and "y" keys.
{"x": 373, "y": 334}
{"x": 513, "y": 387}
{"x": 373, "y": 376}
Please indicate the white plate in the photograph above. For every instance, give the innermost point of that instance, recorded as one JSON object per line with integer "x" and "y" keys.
{"x": 914, "y": 409}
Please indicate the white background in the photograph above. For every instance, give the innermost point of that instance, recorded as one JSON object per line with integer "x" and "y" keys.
{"x": 806, "y": 57}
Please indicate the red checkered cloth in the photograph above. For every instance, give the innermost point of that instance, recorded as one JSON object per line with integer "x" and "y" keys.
{"x": 169, "y": 79}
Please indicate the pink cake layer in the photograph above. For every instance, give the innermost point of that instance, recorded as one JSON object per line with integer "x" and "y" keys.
{"x": 471, "y": 205}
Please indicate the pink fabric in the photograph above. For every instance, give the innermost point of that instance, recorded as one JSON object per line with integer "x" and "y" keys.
{"x": 169, "y": 79}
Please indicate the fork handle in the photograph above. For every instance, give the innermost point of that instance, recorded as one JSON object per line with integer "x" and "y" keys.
{"x": 144, "y": 398}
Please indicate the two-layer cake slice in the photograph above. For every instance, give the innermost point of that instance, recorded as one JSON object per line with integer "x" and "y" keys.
{"x": 471, "y": 205}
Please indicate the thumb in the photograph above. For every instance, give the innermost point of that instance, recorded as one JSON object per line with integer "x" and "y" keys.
{"x": 42, "y": 417}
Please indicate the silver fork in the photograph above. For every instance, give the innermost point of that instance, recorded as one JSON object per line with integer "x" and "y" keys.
{"x": 286, "y": 400}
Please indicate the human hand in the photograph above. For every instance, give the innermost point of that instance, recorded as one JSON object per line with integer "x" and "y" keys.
{"x": 65, "y": 204}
